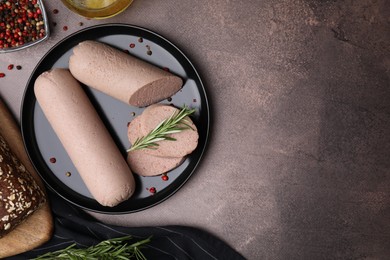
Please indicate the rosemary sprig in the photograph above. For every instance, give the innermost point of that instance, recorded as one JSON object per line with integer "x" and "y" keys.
{"x": 115, "y": 248}
{"x": 174, "y": 124}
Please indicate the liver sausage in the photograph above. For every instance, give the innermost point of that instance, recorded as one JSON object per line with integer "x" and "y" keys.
{"x": 121, "y": 75}
{"x": 146, "y": 164}
{"x": 84, "y": 137}
{"x": 149, "y": 165}
{"x": 186, "y": 141}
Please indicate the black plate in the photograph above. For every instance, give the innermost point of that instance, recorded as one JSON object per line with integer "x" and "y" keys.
{"x": 42, "y": 143}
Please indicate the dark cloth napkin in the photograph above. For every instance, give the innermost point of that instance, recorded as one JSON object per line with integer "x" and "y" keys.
{"x": 72, "y": 225}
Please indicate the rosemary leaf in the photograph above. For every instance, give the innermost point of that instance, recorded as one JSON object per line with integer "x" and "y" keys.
{"x": 173, "y": 124}
{"x": 116, "y": 248}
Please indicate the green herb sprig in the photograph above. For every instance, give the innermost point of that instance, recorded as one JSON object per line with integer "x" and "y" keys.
{"x": 173, "y": 124}
{"x": 115, "y": 248}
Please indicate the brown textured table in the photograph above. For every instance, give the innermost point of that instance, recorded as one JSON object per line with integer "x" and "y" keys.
{"x": 298, "y": 160}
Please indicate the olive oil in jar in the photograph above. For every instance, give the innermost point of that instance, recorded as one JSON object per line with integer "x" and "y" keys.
{"x": 97, "y": 9}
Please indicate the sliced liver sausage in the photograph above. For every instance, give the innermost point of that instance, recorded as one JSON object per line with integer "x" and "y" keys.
{"x": 84, "y": 137}
{"x": 121, "y": 75}
{"x": 134, "y": 129}
{"x": 186, "y": 141}
{"x": 146, "y": 164}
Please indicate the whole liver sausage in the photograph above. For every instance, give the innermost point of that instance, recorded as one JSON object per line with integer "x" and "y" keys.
{"x": 84, "y": 137}
{"x": 121, "y": 75}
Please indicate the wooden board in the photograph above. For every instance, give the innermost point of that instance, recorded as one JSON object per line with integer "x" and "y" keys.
{"x": 38, "y": 228}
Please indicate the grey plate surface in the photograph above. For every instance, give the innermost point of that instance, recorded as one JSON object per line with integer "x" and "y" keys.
{"x": 42, "y": 143}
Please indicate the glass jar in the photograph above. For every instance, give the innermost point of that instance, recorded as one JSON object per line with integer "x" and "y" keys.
{"x": 97, "y": 9}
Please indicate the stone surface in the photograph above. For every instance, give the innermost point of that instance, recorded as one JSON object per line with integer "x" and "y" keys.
{"x": 298, "y": 164}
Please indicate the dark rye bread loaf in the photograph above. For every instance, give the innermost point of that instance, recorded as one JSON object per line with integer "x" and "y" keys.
{"x": 20, "y": 195}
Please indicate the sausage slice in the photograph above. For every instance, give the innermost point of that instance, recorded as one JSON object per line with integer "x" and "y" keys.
{"x": 146, "y": 164}
{"x": 186, "y": 140}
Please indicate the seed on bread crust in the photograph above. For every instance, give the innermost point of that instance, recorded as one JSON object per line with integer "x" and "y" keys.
{"x": 17, "y": 190}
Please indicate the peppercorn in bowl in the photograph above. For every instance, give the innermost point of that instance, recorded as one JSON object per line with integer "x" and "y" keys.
{"x": 23, "y": 23}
